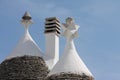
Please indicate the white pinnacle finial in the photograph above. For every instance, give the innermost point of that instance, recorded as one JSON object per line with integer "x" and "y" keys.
{"x": 26, "y": 20}
{"x": 70, "y": 28}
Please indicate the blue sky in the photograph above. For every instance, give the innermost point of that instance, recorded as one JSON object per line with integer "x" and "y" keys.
{"x": 98, "y": 43}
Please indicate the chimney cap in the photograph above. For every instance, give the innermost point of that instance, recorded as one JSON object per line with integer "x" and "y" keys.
{"x": 52, "y": 18}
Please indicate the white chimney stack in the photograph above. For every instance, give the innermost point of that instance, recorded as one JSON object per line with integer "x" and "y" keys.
{"x": 52, "y": 32}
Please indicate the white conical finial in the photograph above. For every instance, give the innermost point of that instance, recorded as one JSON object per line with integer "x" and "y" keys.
{"x": 26, "y": 20}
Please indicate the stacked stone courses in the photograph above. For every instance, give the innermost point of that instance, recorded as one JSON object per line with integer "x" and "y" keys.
{"x": 23, "y": 68}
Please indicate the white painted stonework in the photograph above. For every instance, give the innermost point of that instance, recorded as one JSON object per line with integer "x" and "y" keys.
{"x": 70, "y": 60}
{"x": 26, "y": 45}
{"x": 52, "y": 49}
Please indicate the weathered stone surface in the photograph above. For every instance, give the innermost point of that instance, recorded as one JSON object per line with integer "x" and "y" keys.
{"x": 23, "y": 68}
{"x": 69, "y": 76}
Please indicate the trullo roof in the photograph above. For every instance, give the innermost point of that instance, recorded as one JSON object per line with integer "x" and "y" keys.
{"x": 70, "y": 62}
{"x": 26, "y": 45}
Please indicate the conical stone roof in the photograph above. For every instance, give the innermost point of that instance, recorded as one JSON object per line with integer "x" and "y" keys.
{"x": 70, "y": 64}
{"x": 26, "y": 45}
{"x": 23, "y": 68}
{"x": 25, "y": 62}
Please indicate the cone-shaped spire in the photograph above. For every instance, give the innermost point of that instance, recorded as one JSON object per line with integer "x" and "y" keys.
{"x": 26, "y": 45}
{"x": 26, "y": 20}
{"x": 70, "y": 62}
{"x": 27, "y": 16}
